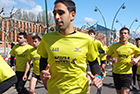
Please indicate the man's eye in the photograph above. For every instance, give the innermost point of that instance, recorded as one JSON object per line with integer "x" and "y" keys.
{"x": 61, "y": 13}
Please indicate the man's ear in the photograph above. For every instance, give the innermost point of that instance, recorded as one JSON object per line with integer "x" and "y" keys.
{"x": 72, "y": 15}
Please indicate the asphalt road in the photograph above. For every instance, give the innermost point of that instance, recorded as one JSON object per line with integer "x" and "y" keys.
{"x": 107, "y": 88}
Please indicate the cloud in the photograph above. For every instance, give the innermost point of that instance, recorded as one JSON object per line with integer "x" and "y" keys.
{"x": 28, "y": 2}
{"x": 90, "y": 20}
{"x": 7, "y": 4}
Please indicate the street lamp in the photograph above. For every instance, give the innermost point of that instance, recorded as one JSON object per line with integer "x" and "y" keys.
{"x": 47, "y": 17}
{"x": 117, "y": 21}
{"x": 133, "y": 23}
{"x": 137, "y": 28}
{"x": 97, "y": 9}
{"x": 122, "y": 7}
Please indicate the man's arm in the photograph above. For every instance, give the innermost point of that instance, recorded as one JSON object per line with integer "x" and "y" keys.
{"x": 24, "y": 78}
{"x": 135, "y": 60}
{"x": 113, "y": 60}
{"x": 43, "y": 63}
{"x": 94, "y": 66}
{"x": 44, "y": 71}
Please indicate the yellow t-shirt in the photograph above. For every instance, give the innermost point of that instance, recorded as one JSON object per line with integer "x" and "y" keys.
{"x": 67, "y": 56}
{"x": 35, "y": 57}
{"x": 99, "y": 47}
{"x": 5, "y": 70}
{"x": 123, "y": 54}
{"x": 103, "y": 55}
{"x": 138, "y": 68}
{"x": 21, "y": 53}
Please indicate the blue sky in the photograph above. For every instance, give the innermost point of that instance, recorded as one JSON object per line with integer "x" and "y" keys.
{"x": 85, "y": 11}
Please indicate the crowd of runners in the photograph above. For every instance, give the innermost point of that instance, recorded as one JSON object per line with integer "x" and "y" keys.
{"x": 68, "y": 61}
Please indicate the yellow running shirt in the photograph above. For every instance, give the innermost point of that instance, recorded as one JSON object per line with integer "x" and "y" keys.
{"x": 5, "y": 70}
{"x": 21, "y": 53}
{"x": 35, "y": 57}
{"x": 99, "y": 47}
{"x": 123, "y": 54}
{"x": 138, "y": 68}
{"x": 67, "y": 56}
{"x": 103, "y": 55}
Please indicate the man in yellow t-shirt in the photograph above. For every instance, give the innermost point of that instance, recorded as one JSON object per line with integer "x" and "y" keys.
{"x": 138, "y": 64}
{"x": 20, "y": 51}
{"x": 122, "y": 62}
{"x": 67, "y": 52}
{"x": 35, "y": 58}
{"x": 100, "y": 48}
{"x": 7, "y": 76}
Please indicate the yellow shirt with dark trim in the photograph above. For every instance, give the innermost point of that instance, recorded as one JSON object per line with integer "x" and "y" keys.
{"x": 123, "y": 54}
{"x": 103, "y": 55}
{"x": 35, "y": 57}
{"x": 99, "y": 47}
{"x": 138, "y": 68}
{"x": 67, "y": 56}
{"x": 6, "y": 71}
{"x": 21, "y": 53}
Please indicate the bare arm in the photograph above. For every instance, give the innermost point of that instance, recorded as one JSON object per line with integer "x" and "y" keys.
{"x": 24, "y": 78}
{"x": 113, "y": 60}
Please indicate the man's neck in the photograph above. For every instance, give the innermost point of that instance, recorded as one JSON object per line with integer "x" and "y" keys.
{"x": 123, "y": 42}
{"x": 68, "y": 30}
{"x": 22, "y": 44}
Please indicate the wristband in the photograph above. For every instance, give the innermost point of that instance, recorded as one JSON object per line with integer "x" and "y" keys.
{"x": 98, "y": 76}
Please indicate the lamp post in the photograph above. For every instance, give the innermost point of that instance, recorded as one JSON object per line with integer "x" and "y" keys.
{"x": 122, "y": 7}
{"x": 137, "y": 28}
{"x": 47, "y": 17}
{"x": 117, "y": 21}
{"x": 97, "y": 9}
{"x": 133, "y": 23}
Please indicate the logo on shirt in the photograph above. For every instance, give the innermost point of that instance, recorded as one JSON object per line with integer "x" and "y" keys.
{"x": 77, "y": 50}
{"x": 64, "y": 59}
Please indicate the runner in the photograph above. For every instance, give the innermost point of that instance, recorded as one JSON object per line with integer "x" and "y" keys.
{"x": 138, "y": 66}
{"x": 7, "y": 76}
{"x": 20, "y": 51}
{"x": 67, "y": 52}
{"x": 35, "y": 57}
{"x": 122, "y": 61}
{"x": 100, "y": 48}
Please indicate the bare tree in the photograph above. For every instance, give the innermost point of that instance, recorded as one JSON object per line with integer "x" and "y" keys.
{"x": 5, "y": 19}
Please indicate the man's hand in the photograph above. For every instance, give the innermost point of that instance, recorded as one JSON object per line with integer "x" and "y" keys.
{"x": 96, "y": 81}
{"x": 134, "y": 61}
{"x": 24, "y": 78}
{"x": 45, "y": 76}
{"x": 13, "y": 67}
{"x": 114, "y": 60}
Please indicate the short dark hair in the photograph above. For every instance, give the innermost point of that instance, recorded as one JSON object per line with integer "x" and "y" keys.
{"x": 124, "y": 28}
{"x": 36, "y": 37}
{"x": 69, "y": 3}
{"x": 91, "y": 31}
{"x": 137, "y": 39}
{"x": 24, "y": 34}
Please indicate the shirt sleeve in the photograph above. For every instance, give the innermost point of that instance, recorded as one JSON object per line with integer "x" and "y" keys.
{"x": 12, "y": 52}
{"x": 110, "y": 50}
{"x": 92, "y": 51}
{"x": 42, "y": 51}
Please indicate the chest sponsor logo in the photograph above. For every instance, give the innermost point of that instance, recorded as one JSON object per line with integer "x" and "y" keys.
{"x": 77, "y": 50}
{"x": 64, "y": 59}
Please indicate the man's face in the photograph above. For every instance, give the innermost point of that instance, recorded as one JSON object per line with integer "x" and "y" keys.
{"x": 92, "y": 35}
{"x": 138, "y": 43}
{"x": 21, "y": 39}
{"x": 62, "y": 16}
{"x": 36, "y": 43}
{"x": 124, "y": 35}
